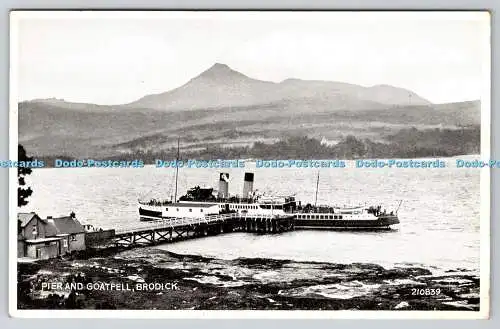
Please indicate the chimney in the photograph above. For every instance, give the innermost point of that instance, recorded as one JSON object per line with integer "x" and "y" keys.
{"x": 223, "y": 186}
{"x": 248, "y": 185}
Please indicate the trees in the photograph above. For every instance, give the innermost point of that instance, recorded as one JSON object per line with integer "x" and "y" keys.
{"x": 23, "y": 193}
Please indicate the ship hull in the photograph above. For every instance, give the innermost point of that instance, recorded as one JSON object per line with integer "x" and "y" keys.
{"x": 149, "y": 213}
{"x": 347, "y": 224}
{"x": 318, "y": 221}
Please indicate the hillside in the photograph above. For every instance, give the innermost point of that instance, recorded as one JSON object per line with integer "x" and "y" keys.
{"x": 222, "y": 107}
{"x": 101, "y": 131}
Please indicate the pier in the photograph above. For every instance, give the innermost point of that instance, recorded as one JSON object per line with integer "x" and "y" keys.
{"x": 171, "y": 230}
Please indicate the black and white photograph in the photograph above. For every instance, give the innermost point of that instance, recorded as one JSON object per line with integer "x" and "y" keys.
{"x": 315, "y": 164}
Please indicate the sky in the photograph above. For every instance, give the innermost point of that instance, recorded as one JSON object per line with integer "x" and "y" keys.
{"x": 116, "y": 58}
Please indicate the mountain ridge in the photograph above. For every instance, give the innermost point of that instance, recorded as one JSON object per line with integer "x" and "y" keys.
{"x": 221, "y": 86}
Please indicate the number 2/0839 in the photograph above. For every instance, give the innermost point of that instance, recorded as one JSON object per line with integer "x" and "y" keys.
{"x": 425, "y": 292}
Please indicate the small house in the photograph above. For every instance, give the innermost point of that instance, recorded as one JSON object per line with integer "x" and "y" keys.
{"x": 48, "y": 238}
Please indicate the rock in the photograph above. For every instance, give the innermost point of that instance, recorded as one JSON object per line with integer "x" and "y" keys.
{"x": 401, "y": 305}
{"x": 135, "y": 278}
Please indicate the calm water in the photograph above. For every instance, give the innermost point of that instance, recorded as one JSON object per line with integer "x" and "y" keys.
{"x": 439, "y": 216}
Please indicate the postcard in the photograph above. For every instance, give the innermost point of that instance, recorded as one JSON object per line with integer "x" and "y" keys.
{"x": 250, "y": 164}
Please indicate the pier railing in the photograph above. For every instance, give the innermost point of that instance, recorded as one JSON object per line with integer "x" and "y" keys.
{"x": 182, "y": 221}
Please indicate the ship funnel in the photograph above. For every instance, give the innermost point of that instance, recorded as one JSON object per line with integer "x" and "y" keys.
{"x": 248, "y": 185}
{"x": 223, "y": 185}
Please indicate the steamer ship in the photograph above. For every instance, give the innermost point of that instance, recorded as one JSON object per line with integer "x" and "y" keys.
{"x": 200, "y": 202}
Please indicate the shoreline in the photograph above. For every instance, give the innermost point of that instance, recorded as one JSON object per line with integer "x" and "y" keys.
{"x": 204, "y": 283}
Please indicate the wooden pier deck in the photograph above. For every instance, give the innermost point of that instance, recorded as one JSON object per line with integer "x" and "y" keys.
{"x": 170, "y": 230}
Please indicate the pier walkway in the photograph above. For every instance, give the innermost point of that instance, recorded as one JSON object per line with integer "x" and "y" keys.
{"x": 170, "y": 230}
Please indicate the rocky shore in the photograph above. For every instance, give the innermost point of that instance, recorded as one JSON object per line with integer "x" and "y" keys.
{"x": 148, "y": 278}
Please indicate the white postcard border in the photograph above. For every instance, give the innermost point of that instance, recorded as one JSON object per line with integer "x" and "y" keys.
{"x": 485, "y": 181}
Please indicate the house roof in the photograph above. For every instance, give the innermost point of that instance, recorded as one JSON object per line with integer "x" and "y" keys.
{"x": 25, "y": 218}
{"x": 50, "y": 228}
{"x": 53, "y": 226}
{"x": 67, "y": 224}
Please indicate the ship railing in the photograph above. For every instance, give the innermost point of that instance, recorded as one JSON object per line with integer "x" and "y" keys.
{"x": 254, "y": 216}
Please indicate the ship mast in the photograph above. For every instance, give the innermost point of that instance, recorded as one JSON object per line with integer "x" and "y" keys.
{"x": 400, "y": 202}
{"x": 176, "y": 169}
{"x": 317, "y": 184}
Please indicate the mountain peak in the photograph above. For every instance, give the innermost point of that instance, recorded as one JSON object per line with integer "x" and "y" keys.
{"x": 220, "y": 70}
{"x": 220, "y": 66}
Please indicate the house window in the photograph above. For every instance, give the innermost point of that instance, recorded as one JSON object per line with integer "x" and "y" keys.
{"x": 201, "y": 210}
{"x": 177, "y": 209}
{"x": 73, "y": 238}
{"x": 190, "y": 210}
{"x": 166, "y": 209}
{"x": 65, "y": 243}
